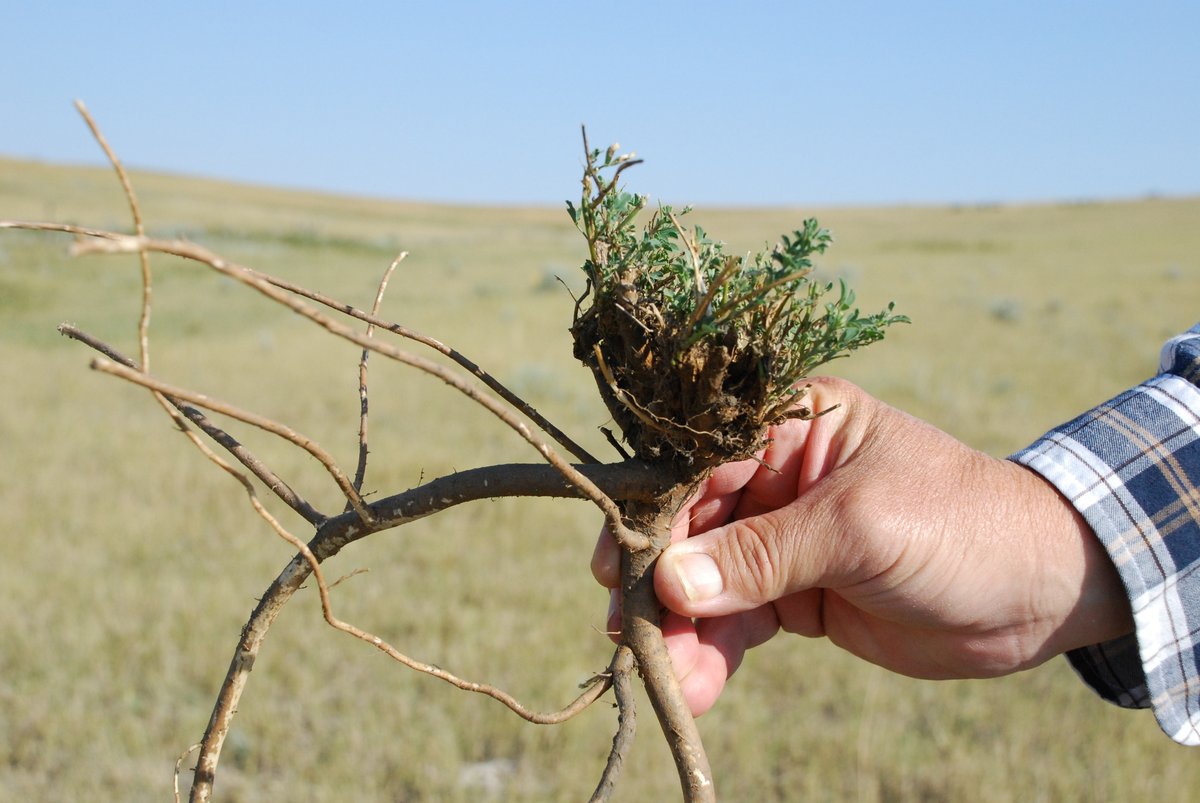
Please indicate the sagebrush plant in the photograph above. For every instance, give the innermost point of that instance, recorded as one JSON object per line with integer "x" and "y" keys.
{"x": 696, "y": 351}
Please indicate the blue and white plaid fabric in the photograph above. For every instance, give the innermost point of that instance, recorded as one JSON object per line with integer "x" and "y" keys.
{"x": 1132, "y": 468}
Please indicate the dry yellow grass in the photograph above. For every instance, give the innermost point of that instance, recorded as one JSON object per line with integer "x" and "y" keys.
{"x": 131, "y": 564}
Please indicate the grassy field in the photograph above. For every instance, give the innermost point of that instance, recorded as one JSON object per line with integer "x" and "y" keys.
{"x": 131, "y": 564}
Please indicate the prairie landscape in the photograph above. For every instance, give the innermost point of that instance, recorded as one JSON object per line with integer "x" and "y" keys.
{"x": 131, "y": 563}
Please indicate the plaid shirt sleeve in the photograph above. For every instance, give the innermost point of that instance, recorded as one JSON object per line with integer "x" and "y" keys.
{"x": 1132, "y": 468}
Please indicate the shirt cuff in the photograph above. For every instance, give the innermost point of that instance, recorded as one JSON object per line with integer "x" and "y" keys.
{"x": 1131, "y": 467}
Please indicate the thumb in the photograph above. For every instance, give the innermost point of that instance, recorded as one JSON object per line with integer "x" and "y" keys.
{"x": 747, "y": 563}
{"x": 797, "y": 542}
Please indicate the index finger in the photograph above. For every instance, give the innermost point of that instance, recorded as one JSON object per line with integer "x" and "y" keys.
{"x": 714, "y": 501}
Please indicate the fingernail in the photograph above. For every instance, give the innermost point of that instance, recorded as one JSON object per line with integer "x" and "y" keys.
{"x": 698, "y": 575}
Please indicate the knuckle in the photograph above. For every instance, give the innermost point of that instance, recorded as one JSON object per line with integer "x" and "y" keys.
{"x": 755, "y": 556}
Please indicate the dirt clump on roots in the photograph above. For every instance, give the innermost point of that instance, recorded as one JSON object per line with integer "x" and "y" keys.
{"x": 695, "y": 405}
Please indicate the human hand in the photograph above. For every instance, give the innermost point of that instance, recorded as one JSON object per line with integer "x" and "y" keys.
{"x": 891, "y": 538}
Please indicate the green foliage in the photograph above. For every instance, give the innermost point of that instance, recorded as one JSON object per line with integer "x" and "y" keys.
{"x": 764, "y": 313}
{"x": 768, "y": 301}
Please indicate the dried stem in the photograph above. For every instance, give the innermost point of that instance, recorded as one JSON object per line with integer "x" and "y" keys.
{"x": 360, "y": 472}
{"x": 179, "y": 767}
{"x": 729, "y": 308}
{"x": 641, "y": 629}
{"x": 594, "y": 688}
{"x": 246, "y": 417}
{"x": 222, "y": 718}
{"x": 247, "y": 458}
{"x": 186, "y": 250}
{"x": 621, "y": 669}
{"x": 114, "y": 242}
{"x": 632, "y": 480}
{"x": 705, "y": 306}
{"x": 689, "y": 242}
{"x": 138, "y": 226}
{"x": 458, "y": 357}
{"x": 64, "y": 228}
{"x": 170, "y": 405}
{"x": 474, "y": 369}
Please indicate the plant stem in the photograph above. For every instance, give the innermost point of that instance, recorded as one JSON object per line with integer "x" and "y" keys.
{"x": 641, "y": 630}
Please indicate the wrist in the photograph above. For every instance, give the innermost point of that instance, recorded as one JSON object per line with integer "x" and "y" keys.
{"x": 1086, "y": 601}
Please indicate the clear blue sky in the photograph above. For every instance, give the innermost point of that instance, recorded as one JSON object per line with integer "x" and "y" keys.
{"x": 747, "y": 102}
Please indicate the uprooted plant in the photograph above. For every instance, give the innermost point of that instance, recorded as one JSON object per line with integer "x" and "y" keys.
{"x": 695, "y": 352}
